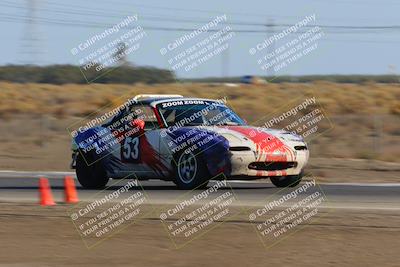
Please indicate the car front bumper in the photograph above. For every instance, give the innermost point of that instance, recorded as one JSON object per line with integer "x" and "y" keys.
{"x": 244, "y": 163}
{"x": 73, "y": 160}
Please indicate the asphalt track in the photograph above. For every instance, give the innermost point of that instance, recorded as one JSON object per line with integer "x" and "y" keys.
{"x": 23, "y": 187}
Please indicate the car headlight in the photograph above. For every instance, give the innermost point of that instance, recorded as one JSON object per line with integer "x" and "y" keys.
{"x": 231, "y": 138}
{"x": 292, "y": 137}
{"x": 74, "y": 147}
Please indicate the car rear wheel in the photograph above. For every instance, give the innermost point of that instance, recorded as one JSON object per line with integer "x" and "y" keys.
{"x": 91, "y": 176}
{"x": 287, "y": 181}
{"x": 190, "y": 171}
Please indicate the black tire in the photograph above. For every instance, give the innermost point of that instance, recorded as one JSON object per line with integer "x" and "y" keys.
{"x": 91, "y": 176}
{"x": 287, "y": 181}
{"x": 195, "y": 175}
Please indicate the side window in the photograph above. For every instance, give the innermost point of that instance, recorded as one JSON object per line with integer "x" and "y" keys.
{"x": 169, "y": 116}
{"x": 146, "y": 114}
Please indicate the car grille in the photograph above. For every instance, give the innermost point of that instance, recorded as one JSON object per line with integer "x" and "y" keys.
{"x": 239, "y": 148}
{"x": 272, "y": 166}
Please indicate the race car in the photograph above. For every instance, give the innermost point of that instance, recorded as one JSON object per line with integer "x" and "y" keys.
{"x": 185, "y": 140}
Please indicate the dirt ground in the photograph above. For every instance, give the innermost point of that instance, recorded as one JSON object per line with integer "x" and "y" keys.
{"x": 36, "y": 236}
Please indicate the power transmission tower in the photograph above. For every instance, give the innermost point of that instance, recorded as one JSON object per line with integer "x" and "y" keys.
{"x": 271, "y": 48}
{"x": 120, "y": 55}
{"x": 31, "y": 50}
{"x": 225, "y": 57}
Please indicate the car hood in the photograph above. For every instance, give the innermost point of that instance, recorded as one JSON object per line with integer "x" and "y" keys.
{"x": 266, "y": 143}
{"x": 241, "y": 135}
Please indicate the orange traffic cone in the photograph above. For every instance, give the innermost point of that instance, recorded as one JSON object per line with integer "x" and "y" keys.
{"x": 70, "y": 194}
{"x": 46, "y": 198}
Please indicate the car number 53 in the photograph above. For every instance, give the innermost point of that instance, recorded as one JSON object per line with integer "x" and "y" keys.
{"x": 130, "y": 148}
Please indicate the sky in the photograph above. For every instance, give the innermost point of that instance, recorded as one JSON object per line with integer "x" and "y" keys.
{"x": 357, "y": 37}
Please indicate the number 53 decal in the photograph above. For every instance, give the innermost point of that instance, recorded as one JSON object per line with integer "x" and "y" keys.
{"x": 130, "y": 149}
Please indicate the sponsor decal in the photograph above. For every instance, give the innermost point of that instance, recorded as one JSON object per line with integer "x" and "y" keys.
{"x": 269, "y": 147}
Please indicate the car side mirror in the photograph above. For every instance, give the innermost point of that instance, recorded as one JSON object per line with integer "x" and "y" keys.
{"x": 138, "y": 124}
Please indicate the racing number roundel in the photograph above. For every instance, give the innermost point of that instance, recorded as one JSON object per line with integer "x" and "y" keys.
{"x": 130, "y": 149}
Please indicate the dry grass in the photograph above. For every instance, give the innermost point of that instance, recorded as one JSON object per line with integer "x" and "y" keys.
{"x": 366, "y": 117}
{"x": 72, "y": 99}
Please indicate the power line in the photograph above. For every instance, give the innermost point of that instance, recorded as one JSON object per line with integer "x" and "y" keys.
{"x": 145, "y": 18}
{"x": 110, "y": 14}
{"x": 149, "y": 28}
{"x": 175, "y": 9}
{"x": 77, "y": 23}
{"x": 237, "y": 23}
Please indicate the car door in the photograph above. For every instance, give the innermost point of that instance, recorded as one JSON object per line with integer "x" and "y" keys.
{"x": 140, "y": 146}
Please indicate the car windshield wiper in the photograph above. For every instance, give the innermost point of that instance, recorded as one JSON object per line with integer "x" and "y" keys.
{"x": 193, "y": 124}
{"x": 229, "y": 123}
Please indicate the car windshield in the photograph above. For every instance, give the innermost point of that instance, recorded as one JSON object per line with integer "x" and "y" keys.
{"x": 197, "y": 112}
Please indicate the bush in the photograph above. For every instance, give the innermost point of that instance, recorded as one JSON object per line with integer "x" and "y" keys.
{"x": 358, "y": 79}
{"x": 61, "y": 74}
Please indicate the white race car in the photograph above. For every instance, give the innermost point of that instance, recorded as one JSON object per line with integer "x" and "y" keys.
{"x": 185, "y": 140}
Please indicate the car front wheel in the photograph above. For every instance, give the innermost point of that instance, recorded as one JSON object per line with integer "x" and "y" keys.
{"x": 190, "y": 171}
